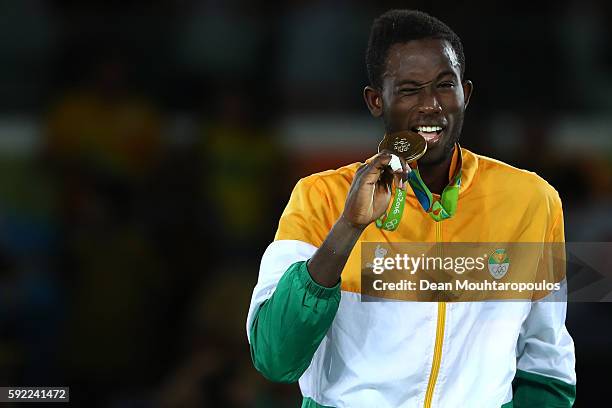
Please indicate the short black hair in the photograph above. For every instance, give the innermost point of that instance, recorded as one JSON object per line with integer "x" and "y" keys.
{"x": 400, "y": 26}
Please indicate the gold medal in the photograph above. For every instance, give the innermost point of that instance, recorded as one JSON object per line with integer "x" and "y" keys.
{"x": 408, "y": 145}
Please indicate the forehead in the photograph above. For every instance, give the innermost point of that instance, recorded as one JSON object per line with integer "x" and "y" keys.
{"x": 420, "y": 60}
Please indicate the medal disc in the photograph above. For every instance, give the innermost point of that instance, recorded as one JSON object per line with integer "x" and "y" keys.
{"x": 409, "y": 145}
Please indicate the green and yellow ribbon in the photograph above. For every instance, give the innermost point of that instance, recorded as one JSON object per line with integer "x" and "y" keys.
{"x": 439, "y": 209}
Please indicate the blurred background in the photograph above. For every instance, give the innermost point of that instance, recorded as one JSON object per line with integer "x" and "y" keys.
{"x": 147, "y": 150}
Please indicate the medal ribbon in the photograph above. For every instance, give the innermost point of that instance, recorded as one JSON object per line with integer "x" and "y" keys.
{"x": 391, "y": 221}
{"x": 439, "y": 209}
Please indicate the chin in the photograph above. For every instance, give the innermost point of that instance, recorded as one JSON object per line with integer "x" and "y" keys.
{"x": 437, "y": 154}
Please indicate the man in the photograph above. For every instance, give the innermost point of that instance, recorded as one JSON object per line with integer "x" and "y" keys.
{"x": 306, "y": 319}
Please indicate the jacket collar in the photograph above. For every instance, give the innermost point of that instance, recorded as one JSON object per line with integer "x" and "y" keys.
{"x": 469, "y": 166}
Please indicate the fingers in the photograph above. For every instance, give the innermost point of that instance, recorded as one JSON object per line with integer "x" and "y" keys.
{"x": 386, "y": 179}
{"x": 373, "y": 171}
{"x": 404, "y": 165}
{"x": 399, "y": 168}
{"x": 384, "y": 169}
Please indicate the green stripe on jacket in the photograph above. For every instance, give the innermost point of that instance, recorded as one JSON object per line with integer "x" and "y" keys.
{"x": 535, "y": 390}
{"x": 289, "y": 327}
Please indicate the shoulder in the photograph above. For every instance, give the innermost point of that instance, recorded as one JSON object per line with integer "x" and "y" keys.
{"x": 315, "y": 204}
{"x": 323, "y": 192}
{"x": 495, "y": 174}
{"x": 330, "y": 182}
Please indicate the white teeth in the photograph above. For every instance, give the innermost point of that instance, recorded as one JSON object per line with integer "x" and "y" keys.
{"x": 429, "y": 129}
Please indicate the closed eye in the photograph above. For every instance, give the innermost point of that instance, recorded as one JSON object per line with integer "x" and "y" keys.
{"x": 408, "y": 91}
{"x": 447, "y": 84}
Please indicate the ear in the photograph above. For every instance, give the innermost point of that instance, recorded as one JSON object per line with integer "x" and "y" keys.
{"x": 468, "y": 88}
{"x": 373, "y": 100}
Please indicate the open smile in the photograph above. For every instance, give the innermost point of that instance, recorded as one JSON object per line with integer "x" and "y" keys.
{"x": 431, "y": 134}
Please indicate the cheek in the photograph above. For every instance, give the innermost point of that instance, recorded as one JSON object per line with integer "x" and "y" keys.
{"x": 398, "y": 113}
{"x": 402, "y": 105}
{"x": 453, "y": 98}
{"x": 458, "y": 97}
{"x": 452, "y": 103}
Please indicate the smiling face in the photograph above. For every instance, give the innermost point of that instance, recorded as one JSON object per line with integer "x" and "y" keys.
{"x": 422, "y": 92}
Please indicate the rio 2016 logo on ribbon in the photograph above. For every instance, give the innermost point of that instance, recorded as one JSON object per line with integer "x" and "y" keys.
{"x": 499, "y": 262}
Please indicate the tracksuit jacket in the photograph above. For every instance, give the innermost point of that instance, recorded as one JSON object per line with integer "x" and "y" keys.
{"x": 349, "y": 353}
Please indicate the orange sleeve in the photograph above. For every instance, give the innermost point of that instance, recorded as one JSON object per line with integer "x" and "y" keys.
{"x": 308, "y": 214}
{"x": 553, "y": 265}
{"x": 557, "y": 231}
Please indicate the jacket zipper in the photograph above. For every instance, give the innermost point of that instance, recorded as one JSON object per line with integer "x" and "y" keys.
{"x": 437, "y": 357}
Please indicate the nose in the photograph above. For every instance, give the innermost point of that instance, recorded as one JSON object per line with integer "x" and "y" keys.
{"x": 428, "y": 103}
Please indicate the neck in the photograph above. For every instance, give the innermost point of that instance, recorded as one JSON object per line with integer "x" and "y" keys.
{"x": 435, "y": 176}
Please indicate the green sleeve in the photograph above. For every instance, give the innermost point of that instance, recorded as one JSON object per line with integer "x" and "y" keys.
{"x": 534, "y": 390}
{"x": 289, "y": 327}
